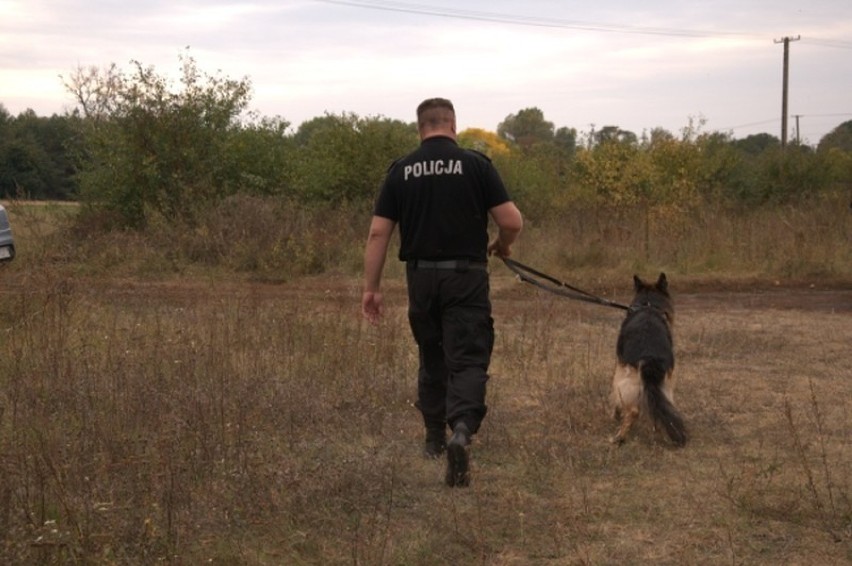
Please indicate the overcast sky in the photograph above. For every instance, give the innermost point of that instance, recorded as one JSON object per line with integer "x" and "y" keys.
{"x": 633, "y": 64}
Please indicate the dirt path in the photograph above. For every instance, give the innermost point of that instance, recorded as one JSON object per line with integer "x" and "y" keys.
{"x": 760, "y": 296}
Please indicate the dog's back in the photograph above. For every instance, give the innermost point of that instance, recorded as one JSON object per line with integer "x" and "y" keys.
{"x": 645, "y": 362}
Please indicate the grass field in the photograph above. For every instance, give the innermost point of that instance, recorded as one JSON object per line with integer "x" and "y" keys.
{"x": 217, "y": 420}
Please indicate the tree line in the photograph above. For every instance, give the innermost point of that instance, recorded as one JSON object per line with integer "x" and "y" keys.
{"x": 135, "y": 146}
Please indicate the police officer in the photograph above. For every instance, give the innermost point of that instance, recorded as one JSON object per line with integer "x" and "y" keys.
{"x": 442, "y": 196}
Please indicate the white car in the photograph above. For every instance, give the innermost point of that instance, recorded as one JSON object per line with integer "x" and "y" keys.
{"x": 7, "y": 243}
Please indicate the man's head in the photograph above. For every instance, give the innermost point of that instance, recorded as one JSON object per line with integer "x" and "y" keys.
{"x": 436, "y": 117}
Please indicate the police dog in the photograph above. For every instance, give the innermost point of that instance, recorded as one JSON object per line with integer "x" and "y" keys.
{"x": 643, "y": 380}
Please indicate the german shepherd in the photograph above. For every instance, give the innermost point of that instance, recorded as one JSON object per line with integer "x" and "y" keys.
{"x": 643, "y": 379}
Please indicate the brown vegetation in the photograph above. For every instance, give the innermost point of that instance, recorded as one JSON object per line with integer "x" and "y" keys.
{"x": 191, "y": 418}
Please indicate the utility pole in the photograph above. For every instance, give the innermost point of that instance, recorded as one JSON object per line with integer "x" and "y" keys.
{"x": 786, "y": 41}
{"x": 798, "y": 138}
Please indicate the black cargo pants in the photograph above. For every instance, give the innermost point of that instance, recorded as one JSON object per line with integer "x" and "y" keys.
{"x": 449, "y": 311}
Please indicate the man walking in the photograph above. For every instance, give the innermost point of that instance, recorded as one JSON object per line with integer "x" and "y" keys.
{"x": 442, "y": 196}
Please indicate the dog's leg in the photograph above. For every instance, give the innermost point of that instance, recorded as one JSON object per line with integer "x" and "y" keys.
{"x": 615, "y": 402}
{"x": 668, "y": 386}
{"x": 620, "y": 380}
{"x": 626, "y": 396}
{"x": 627, "y": 421}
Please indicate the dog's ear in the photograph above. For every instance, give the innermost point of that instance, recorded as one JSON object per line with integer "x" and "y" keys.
{"x": 637, "y": 283}
{"x": 663, "y": 283}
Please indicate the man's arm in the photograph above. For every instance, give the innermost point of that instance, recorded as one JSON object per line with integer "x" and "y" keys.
{"x": 375, "y": 253}
{"x": 509, "y": 224}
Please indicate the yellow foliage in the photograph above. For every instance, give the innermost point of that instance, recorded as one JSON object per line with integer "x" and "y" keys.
{"x": 484, "y": 141}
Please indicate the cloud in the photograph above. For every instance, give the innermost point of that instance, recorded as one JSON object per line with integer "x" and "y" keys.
{"x": 307, "y": 57}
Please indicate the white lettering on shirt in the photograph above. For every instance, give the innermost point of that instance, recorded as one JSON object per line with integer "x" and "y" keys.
{"x": 434, "y": 167}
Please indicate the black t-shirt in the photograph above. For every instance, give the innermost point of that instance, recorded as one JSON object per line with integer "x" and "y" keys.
{"x": 440, "y": 195}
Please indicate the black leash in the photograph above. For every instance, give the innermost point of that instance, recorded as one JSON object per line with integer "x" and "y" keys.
{"x": 563, "y": 289}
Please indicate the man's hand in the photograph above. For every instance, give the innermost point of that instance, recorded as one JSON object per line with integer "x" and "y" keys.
{"x": 371, "y": 306}
{"x": 374, "y": 261}
{"x": 509, "y": 222}
{"x": 499, "y": 249}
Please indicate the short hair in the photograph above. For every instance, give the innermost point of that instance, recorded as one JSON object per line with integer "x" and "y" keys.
{"x": 435, "y": 112}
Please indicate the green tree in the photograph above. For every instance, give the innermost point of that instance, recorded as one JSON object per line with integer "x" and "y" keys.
{"x": 149, "y": 148}
{"x": 35, "y": 156}
{"x": 840, "y": 138}
{"x": 609, "y": 134}
{"x": 263, "y": 153}
{"x": 718, "y": 165}
{"x": 658, "y": 135}
{"x": 23, "y": 164}
{"x": 345, "y": 157}
{"x": 566, "y": 140}
{"x": 756, "y": 144}
{"x": 526, "y": 128}
{"x": 607, "y": 175}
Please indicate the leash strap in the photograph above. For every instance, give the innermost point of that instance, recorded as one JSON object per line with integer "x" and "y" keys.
{"x": 563, "y": 289}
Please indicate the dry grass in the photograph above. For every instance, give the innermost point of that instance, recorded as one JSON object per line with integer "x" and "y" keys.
{"x": 152, "y": 414}
{"x": 260, "y": 424}
{"x": 807, "y": 242}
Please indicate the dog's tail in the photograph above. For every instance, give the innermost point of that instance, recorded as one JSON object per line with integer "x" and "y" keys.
{"x": 665, "y": 414}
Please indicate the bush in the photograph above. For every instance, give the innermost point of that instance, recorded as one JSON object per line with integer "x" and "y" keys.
{"x": 151, "y": 149}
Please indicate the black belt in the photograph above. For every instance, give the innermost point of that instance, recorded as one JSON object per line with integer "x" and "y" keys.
{"x": 455, "y": 264}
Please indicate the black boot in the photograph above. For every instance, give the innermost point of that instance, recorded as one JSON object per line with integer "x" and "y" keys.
{"x": 458, "y": 457}
{"x": 436, "y": 442}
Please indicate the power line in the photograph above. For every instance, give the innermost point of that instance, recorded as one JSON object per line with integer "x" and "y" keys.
{"x": 825, "y": 115}
{"x": 776, "y": 120}
{"x": 530, "y": 20}
{"x": 750, "y": 124}
{"x": 839, "y": 44}
{"x": 516, "y": 19}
